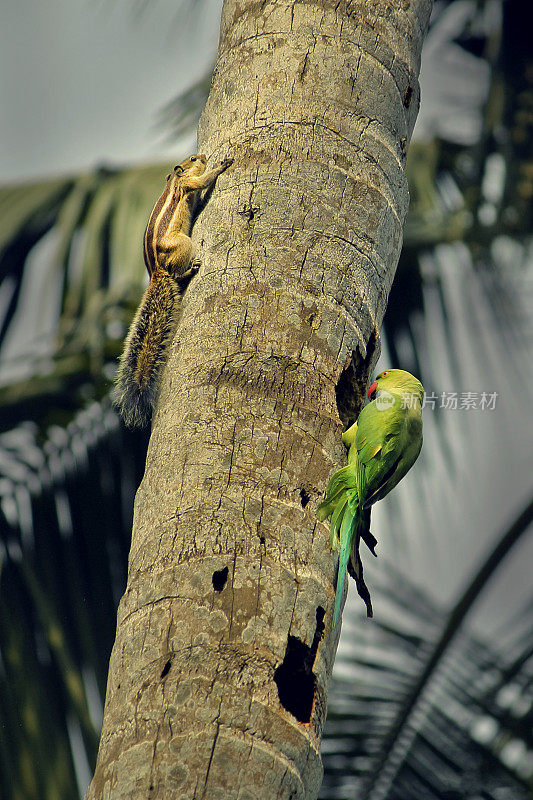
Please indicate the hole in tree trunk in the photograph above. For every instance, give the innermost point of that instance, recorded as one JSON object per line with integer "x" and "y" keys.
{"x": 350, "y": 389}
{"x": 304, "y": 497}
{"x": 294, "y": 677}
{"x": 219, "y": 579}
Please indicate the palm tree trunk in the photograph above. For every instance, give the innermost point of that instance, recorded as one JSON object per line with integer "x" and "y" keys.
{"x": 218, "y": 678}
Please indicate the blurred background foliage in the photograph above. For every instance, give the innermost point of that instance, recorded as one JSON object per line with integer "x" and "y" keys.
{"x": 433, "y": 698}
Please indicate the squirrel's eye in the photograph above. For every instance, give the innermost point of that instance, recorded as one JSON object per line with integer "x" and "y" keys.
{"x": 193, "y": 158}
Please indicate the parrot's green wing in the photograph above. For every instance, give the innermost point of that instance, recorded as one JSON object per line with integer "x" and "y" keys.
{"x": 388, "y": 481}
{"x": 380, "y": 444}
{"x": 376, "y": 431}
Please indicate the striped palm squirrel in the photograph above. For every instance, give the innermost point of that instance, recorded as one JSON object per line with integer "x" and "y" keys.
{"x": 168, "y": 255}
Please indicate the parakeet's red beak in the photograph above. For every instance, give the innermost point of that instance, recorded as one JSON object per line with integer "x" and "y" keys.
{"x": 372, "y": 389}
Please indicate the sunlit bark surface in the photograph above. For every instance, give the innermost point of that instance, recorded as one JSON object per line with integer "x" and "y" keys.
{"x": 218, "y": 678}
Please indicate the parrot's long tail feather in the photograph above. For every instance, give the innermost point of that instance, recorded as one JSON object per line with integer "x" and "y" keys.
{"x": 349, "y": 522}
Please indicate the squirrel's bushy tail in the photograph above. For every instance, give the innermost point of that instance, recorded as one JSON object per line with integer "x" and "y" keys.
{"x": 145, "y": 351}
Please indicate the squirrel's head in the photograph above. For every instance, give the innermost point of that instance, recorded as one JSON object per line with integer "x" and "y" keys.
{"x": 194, "y": 165}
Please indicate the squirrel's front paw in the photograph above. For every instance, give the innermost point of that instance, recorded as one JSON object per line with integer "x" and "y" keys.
{"x": 184, "y": 279}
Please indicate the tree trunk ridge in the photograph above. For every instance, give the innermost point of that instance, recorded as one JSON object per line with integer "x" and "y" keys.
{"x": 218, "y": 678}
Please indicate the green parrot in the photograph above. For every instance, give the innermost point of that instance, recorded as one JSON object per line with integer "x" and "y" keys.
{"x": 383, "y": 444}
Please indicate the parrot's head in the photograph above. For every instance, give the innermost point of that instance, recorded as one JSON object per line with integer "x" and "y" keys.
{"x": 396, "y": 381}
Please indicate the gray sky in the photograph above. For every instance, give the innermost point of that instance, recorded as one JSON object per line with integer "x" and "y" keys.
{"x": 82, "y": 81}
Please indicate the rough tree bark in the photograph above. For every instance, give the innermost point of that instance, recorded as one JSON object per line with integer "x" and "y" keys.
{"x": 218, "y": 678}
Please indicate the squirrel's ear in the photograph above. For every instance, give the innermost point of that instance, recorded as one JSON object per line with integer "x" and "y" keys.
{"x": 178, "y": 168}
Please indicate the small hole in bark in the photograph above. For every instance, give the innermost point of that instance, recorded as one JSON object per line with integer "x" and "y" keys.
{"x": 408, "y": 96}
{"x": 166, "y": 669}
{"x": 262, "y": 539}
{"x": 219, "y": 579}
{"x": 304, "y": 497}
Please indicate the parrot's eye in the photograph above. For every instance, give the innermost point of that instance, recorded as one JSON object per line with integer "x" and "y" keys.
{"x": 383, "y": 374}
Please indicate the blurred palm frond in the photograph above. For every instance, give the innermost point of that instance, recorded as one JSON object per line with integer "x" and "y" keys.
{"x": 72, "y": 270}
{"x": 467, "y": 735}
{"x": 183, "y": 112}
{"x": 65, "y": 517}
